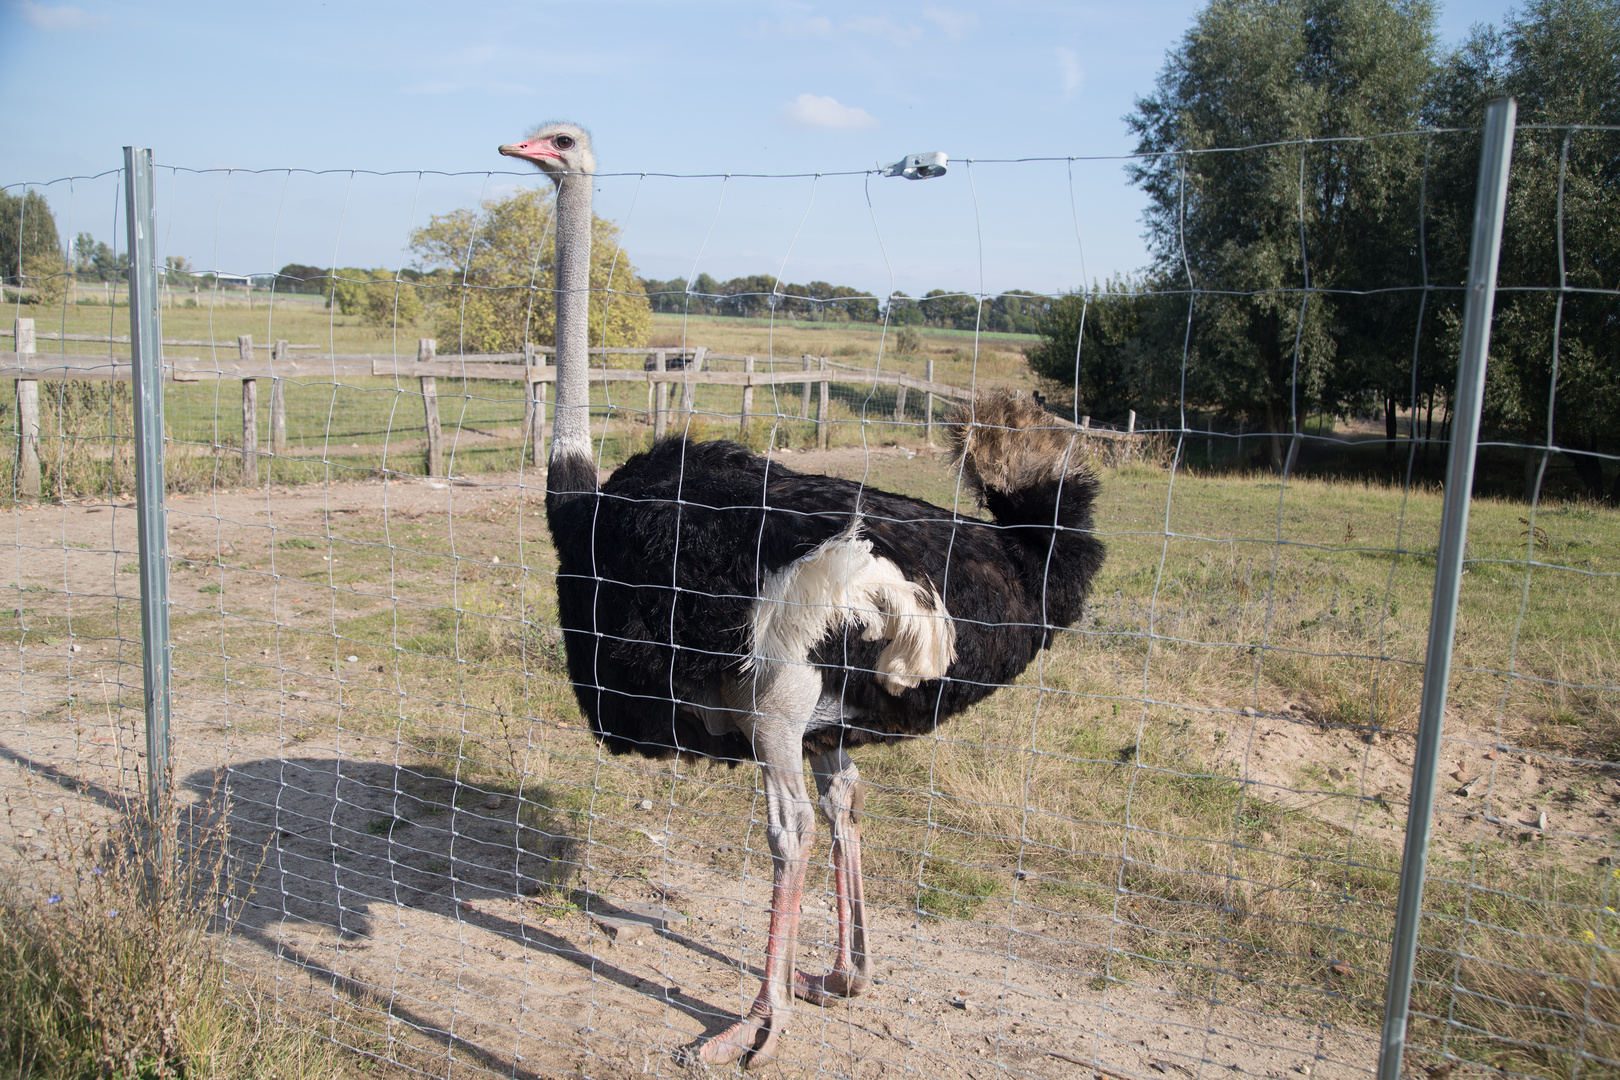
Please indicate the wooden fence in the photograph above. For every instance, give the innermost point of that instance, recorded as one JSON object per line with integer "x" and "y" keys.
{"x": 278, "y": 362}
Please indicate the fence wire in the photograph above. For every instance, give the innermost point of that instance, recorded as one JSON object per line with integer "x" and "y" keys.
{"x": 1171, "y": 846}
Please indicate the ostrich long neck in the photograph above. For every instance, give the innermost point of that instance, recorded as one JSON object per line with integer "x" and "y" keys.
{"x": 572, "y": 431}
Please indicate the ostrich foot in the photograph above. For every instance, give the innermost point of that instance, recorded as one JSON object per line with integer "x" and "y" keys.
{"x": 820, "y": 989}
{"x": 753, "y": 1035}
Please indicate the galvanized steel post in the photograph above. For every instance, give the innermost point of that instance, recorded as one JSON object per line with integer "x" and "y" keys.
{"x": 146, "y": 351}
{"x": 1489, "y": 205}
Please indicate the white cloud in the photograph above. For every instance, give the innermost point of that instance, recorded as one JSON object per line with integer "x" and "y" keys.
{"x": 1069, "y": 72}
{"x": 954, "y": 23}
{"x": 819, "y": 111}
{"x": 45, "y": 17}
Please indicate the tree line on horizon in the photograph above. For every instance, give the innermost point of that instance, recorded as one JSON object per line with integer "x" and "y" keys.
{"x": 750, "y": 296}
{"x": 759, "y": 295}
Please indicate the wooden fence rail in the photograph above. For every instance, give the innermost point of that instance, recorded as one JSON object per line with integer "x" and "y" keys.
{"x": 28, "y": 367}
{"x": 123, "y": 339}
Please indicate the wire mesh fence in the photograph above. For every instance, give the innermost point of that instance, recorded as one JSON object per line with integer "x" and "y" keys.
{"x": 1171, "y": 845}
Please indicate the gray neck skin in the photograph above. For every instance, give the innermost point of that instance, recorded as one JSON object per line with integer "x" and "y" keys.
{"x": 571, "y": 433}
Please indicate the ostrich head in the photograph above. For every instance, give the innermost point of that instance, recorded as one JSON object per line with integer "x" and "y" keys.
{"x": 556, "y": 149}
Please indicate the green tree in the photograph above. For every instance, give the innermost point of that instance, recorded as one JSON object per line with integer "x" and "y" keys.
{"x": 490, "y": 277}
{"x": 30, "y": 250}
{"x": 302, "y": 278}
{"x": 1016, "y": 311}
{"x": 1261, "y": 224}
{"x": 178, "y": 272}
{"x": 94, "y": 260}
{"x": 902, "y": 310}
{"x": 949, "y": 310}
{"x": 1560, "y": 59}
{"x": 1125, "y": 359}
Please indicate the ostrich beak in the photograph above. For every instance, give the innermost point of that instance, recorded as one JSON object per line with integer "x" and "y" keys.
{"x": 532, "y": 151}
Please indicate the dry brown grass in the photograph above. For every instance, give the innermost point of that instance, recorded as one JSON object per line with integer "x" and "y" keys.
{"x": 110, "y": 953}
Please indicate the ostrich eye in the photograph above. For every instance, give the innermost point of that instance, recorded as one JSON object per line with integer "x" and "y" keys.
{"x": 564, "y": 142}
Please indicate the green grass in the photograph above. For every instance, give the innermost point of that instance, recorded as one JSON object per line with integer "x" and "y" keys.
{"x": 1315, "y": 593}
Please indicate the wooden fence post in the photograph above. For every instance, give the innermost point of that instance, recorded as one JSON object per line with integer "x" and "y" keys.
{"x": 27, "y": 416}
{"x": 425, "y": 348}
{"x": 694, "y": 366}
{"x": 900, "y": 404}
{"x": 804, "y": 409}
{"x": 540, "y": 396}
{"x": 660, "y": 397}
{"x": 822, "y": 409}
{"x": 652, "y": 389}
{"x": 928, "y": 405}
{"x": 748, "y": 400}
{"x": 278, "y": 401}
{"x": 528, "y": 402}
{"x": 534, "y": 406}
{"x": 250, "y": 414}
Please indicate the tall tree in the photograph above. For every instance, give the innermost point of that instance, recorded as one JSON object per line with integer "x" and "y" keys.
{"x": 30, "y": 250}
{"x": 1561, "y": 60}
{"x": 491, "y": 273}
{"x": 1262, "y": 219}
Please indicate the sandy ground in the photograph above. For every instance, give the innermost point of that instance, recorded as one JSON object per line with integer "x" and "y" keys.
{"x": 434, "y": 922}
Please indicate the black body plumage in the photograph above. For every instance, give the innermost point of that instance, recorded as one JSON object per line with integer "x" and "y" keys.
{"x": 659, "y": 571}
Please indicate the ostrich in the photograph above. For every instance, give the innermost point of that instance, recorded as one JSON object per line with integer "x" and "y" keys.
{"x": 716, "y": 603}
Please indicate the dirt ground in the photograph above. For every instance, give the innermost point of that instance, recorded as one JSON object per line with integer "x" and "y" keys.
{"x": 434, "y": 928}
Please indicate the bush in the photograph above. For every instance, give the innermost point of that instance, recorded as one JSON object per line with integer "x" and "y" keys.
{"x": 109, "y": 965}
{"x": 1117, "y": 367}
{"x": 45, "y": 277}
{"x": 390, "y": 302}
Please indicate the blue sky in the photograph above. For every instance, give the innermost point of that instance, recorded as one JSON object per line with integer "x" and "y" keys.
{"x": 676, "y": 95}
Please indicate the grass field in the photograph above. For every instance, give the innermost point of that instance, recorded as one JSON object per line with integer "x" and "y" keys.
{"x": 1212, "y": 769}
{"x": 1119, "y": 783}
{"x": 302, "y": 320}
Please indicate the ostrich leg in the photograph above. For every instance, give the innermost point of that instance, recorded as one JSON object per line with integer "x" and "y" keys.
{"x": 779, "y": 748}
{"x": 842, "y": 799}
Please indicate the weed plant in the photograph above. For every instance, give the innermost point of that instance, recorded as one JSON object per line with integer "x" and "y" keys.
{"x": 110, "y": 961}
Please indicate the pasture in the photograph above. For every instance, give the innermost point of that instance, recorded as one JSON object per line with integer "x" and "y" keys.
{"x": 1185, "y": 817}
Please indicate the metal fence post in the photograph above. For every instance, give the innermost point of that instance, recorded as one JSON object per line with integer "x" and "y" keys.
{"x": 1489, "y": 205}
{"x": 146, "y": 352}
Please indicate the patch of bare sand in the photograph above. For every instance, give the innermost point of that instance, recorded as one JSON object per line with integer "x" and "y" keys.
{"x": 1489, "y": 790}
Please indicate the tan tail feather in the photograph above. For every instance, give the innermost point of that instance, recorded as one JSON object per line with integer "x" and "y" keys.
{"x": 1008, "y": 443}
